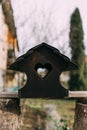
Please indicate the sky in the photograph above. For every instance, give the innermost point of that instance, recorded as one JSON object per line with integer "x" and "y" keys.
{"x": 30, "y": 11}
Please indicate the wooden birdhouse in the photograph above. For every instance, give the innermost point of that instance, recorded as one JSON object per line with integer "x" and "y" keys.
{"x": 43, "y": 65}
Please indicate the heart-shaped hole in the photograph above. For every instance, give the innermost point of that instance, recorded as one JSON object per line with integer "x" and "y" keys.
{"x": 43, "y": 70}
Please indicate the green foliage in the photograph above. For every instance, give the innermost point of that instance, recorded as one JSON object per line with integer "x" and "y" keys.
{"x": 64, "y": 126}
{"x": 65, "y": 108}
{"x": 77, "y": 79}
{"x": 60, "y": 125}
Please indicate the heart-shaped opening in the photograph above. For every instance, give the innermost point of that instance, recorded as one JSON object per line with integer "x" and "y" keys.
{"x": 43, "y": 69}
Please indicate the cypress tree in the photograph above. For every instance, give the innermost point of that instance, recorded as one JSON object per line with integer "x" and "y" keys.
{"x": 76, "y": 35}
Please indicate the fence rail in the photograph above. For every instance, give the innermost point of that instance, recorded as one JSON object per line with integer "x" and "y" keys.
{"x": 71, "y": 94}
{"x": 8, "y": 94}
{"x": 77, "y": 94}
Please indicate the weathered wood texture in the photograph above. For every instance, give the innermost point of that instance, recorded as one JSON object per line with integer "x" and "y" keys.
{"x": 9, "y": 114}
{"x": 80, "y": 122}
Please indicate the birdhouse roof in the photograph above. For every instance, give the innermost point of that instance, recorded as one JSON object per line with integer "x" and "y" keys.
{"x": 55, "y": 51}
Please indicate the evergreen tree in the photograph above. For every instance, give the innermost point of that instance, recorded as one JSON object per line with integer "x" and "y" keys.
{"x": 77, "y": 51}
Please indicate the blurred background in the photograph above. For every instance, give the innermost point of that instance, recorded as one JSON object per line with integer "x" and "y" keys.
{"x": 62, "y": 24}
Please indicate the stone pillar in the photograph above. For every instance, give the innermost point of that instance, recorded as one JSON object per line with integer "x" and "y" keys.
{"x": 9, "y": 114}
{"x": 80, "y": 122}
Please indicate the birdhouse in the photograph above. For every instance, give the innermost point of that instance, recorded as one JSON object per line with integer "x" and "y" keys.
{"x": 43, "y": 65}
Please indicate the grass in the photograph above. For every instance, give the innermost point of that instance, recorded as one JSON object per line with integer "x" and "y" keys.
{"x": 64, "y": 107}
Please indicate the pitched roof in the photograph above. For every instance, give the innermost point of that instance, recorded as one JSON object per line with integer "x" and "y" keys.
{"x": 54, "y": 50}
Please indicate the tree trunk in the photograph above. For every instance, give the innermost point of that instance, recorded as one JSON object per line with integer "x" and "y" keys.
{"x": 80, "y": 122}
{"x": 9, "y": 114}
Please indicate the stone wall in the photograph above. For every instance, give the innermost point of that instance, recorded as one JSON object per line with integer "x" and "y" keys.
{"x": 9, "y": 114}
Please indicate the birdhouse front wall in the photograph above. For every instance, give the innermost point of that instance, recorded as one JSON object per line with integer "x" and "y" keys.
{"x": 45, "y": 86}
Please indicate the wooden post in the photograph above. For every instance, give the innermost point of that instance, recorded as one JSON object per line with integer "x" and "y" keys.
{"x": 10, "y": 114}
{"x": 80, "y": 122}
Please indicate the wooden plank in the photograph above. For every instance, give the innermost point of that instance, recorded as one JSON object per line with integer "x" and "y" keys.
{"x": 77, "y": 94}
{"x": 8, "y": 94}
{"x": 71, "y": 94}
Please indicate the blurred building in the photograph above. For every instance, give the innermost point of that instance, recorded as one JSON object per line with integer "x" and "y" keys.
{"x": 3, "y": 41}
{"x": 8, "y": 43}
